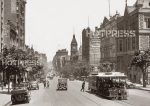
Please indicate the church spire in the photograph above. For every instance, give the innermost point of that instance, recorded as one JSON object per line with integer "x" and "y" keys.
{"x": 126, "y": 3}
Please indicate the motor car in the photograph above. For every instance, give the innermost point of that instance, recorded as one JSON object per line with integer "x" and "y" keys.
{"x": 130, "y": 85}
{"x": 50, "y": 77}
{"x": 20, "y": 93}
{"x": 62, "y": 84}
{"x": 71, "y": 78}
{"x": 33, "y": 85}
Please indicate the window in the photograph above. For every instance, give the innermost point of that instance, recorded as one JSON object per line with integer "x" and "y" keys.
{"x": 126, "y": 44}
{"x": 129, "y": 43}
{"x": 120, "y": 45}
{"x": 133, "y": 43}
{"x": 147, "y": 22}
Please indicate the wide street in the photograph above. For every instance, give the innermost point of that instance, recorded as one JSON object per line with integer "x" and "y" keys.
{"x": 74, "y": 97}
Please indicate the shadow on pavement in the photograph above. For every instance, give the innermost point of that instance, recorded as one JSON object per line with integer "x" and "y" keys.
{"x": 102, "y": 97}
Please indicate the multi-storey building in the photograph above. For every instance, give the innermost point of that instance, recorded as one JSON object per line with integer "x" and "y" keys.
{"x": 80, "y": 54}
{"x": 14, "y": 23}
{"x": 86, "y": 33}
{"x": 108, "y": 44}
{"x": 1, "y": 23}
{"x": 136, "y": 17}
{"x": 60, "y": 59}
{"x": 94, "y": 52}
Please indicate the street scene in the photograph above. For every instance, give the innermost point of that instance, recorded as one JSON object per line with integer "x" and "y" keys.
{"x": 74, "y": 97}
{"x": 75, "y": 53}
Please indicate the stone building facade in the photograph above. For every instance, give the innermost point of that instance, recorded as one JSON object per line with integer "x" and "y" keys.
{"x": 60, "y": 59}
{"x": 108, "y": 45}
{"x": 1, "y": 24}
{"x": 14, "y": 23}
{"x": 137, "y": 18}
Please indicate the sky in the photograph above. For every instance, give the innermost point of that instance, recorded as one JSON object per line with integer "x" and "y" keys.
{"x": 50, "y": 24}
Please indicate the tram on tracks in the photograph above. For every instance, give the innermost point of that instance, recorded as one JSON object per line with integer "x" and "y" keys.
{"x": 108, "y": 84}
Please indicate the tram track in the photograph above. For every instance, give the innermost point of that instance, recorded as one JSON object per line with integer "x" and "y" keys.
{"x": 123, "y": 102}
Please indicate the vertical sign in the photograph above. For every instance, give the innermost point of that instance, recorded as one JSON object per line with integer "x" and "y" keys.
{"x": 13, "y": 6}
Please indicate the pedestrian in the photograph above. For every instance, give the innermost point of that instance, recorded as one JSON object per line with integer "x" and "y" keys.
{"x": 83, "y": 86}
{"x": 47, "y": 83}
{"x": 44, "y": 84}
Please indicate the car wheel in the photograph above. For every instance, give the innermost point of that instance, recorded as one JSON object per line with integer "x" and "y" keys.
{"x": 27, "y": 100}
{"x": 13, "y": 100}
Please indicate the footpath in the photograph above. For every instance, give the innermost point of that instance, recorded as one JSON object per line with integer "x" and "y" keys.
{"x": 5, "y": 98}
{"x": 140, "y": 87}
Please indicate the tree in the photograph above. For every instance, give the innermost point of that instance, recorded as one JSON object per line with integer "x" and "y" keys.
{"x": 140, "y": 59}
{"x": 76, "y": 69}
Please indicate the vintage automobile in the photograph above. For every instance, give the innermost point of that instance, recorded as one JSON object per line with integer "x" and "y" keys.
{"x": 33, "y": 85}
{"x": 20, "y": 93}
{"x": 50, "y": 77}
{"x": 71, "y": 78}
{"x": 62, "y": 84}
{"x": 130, "y": 85}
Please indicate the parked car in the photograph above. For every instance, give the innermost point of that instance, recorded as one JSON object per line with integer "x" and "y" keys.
{"x": 130, "y": 85}
{"x": 20, "y": 93}
{"x": 62, "y": 84}
{"x": 71, "y": 78}
{"x": 50, "y": 77}
{"x": 33, "y": 85}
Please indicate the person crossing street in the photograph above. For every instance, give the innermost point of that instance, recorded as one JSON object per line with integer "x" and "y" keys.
{"x": 83, "y": 86}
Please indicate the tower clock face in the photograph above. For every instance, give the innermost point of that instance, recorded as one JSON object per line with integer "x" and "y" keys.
{"x": 73, "y": 47}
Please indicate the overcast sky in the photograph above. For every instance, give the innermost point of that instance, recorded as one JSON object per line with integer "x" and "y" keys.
{"x": 50, "y": 23}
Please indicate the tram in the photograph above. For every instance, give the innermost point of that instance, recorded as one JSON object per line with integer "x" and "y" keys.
{"x": 108, "y": 84}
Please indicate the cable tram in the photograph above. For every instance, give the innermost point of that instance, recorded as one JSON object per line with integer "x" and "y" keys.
{"x": 108, "y": 84}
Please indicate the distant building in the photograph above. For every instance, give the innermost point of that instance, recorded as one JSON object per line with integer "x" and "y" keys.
{"x": 94, "y": 50}
{"x": 80, "y": 54}
{"x": 86, "y": 33}
{"x": 60, "y": 59}
{"x": 74, "y": 49}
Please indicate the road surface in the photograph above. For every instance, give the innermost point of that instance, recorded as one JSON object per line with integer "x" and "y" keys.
{"x": 74, "y": 97}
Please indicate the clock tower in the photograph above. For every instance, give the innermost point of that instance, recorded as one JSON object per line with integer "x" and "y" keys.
{"x": 74, "y": 48}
